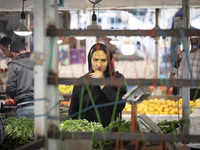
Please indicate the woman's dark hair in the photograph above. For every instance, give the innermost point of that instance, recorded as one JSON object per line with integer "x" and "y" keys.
{"x": 99, "y": 46}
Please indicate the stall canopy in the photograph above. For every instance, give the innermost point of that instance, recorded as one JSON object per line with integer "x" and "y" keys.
{"x": 16, "y": 5}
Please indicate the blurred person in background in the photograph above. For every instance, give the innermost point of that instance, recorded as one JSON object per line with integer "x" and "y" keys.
{"x": 4, "y": 46}
{"x": 194, "y": 61}
{"x": 20, "y": 80}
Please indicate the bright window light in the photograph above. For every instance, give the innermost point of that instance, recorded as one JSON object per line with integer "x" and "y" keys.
{"x": 127, "y": 49}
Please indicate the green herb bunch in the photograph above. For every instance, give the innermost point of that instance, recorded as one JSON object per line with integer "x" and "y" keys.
{"x": 168, "y": 126}
{"x": 119, "y": 125}
{"x": 18, "y": 132}
{"x": 80, "y": 125}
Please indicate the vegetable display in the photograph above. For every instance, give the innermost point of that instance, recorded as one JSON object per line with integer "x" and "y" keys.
{"x": 81, "y": 125}
{"x": 119, "y": 125}
{"x": 168, "y": 126}
{"x": 21, "y": 131}
{"x": 18, "y": 132}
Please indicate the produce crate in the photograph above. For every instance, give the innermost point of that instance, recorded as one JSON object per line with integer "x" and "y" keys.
{"x": 5, "y": 108}
{"x": 196, "y": 112}
{"x": 7, "y": 111}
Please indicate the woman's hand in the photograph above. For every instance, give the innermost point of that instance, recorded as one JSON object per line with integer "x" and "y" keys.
{"x": 97, "y": 74}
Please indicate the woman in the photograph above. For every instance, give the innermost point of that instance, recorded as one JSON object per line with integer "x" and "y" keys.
{"x": 100, "y": 66}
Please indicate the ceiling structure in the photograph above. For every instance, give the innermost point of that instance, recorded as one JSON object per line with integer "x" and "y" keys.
{"x": 16, "y": 5}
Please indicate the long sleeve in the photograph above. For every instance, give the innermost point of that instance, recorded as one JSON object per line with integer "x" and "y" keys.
{"x": 11, "y": 82}
{"x": 111, "y": 93}
{"x": 74, "y": 105}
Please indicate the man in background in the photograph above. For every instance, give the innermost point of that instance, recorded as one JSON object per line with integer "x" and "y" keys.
{"x": 20, "y": 80}
{"x": 194, "y": 61}
{"x": 4, "y": 46}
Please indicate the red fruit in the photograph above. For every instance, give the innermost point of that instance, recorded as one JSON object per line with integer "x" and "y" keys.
{"x": 12, "y": 102}
{"x": 7, "y": 102}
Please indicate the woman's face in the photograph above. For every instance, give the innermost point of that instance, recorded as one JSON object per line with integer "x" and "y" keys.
{"x": 99, "y": 61}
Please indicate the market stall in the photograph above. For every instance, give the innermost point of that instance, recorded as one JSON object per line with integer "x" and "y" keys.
{"x": 46, "y": 68}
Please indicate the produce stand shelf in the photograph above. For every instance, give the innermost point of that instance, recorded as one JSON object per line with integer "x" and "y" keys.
{"x": 7, "y": 111}
{"x": 63, "y": 113}
{"x": 194, "y": 120}
{"x": 5, "y": 108}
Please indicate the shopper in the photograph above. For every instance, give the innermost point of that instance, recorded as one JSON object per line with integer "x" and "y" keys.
{"x": 100, "y": 66}
{"x": 4, "y": 46}
{"x": 20, "y": 80}
{"x": 194, "y": 61}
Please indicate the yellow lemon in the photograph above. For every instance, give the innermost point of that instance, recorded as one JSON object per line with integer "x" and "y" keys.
{"x": 192, "y": 103}
{"x": 166, "y": 110}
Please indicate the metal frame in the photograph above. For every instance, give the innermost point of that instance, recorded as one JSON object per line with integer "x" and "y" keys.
{"x": 153, "y": 33}
{"x": 45, "y": 27}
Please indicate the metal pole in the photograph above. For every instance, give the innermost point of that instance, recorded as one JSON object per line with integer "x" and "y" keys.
{"x": 52, "y": 69}
{"x": 186, "y": 90}
{"x": 89, "y": 40}
{"x": 40, "y": 120}
{"x": 157, "y": 46}
{"x": 134, "y": 120}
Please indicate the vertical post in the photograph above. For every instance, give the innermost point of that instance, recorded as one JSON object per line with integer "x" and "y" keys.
{"x": 52, "y": 69}
{"x": 45, "y": 58}
{"x": 78, "y": 42}
{"x": 40, "y": 77}
{"x": 28, "y": 38}
{"x": 186, "y": 90}
{"x": 133, "y": 119}
{"x": 157, "y": 47}
{"x": 91, "y": 40}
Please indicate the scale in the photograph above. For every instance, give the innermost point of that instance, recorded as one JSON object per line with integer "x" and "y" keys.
{"x": 137, "y": 94}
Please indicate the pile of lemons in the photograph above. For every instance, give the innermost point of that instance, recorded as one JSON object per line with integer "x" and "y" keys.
{"x": 160, "y": 107}
{"x": 65, "y": 89}
{"x": 197, "y": 103}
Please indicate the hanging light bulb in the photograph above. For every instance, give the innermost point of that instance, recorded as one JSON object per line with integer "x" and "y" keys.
{"x": 23, "y": 29}
{"x": 80, "y": 37}
{"x": 59, "y": 41}
{"x": 94, "y": 24}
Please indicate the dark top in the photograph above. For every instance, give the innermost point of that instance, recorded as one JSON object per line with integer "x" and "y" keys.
{"x": 100, "y": 96}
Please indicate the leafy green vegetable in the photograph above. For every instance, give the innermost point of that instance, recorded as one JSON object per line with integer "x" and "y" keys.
{"x": 168, "y": 126}
{"x": 80, "y": 125}
{"x": 119, "y": 125}
{"x": 18, "y": 132}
